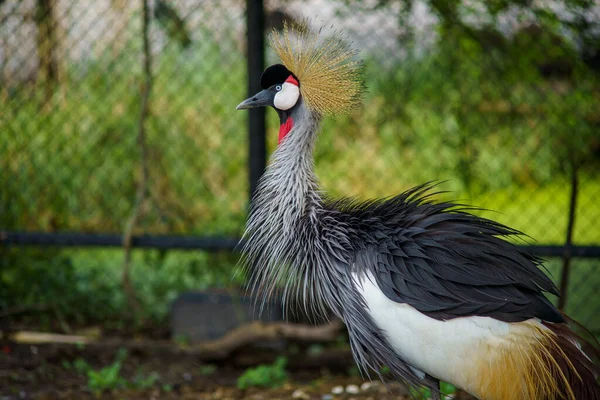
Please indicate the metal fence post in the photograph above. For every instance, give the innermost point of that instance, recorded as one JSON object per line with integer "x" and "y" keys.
{"x": 255, "y": 24}
{"x": 567, "y": 255}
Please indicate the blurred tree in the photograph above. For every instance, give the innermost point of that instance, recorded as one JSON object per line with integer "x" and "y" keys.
{"x": 275, "y": 19}
{"x": 574, "y": 16}
{"x": 173, "y": 25}
{"x": 47, "y": 44}
{"x": 544, "y": 74}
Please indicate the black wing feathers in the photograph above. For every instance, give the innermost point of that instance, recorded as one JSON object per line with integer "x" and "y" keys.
{"x": 446, "y": 262}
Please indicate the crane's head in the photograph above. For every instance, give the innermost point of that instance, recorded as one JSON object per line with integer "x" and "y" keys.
{"x": 316, "y": 72}
{"x": 281, "y": 90}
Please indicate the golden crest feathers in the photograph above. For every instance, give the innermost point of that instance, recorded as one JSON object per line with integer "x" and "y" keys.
{"x": 330, "y": 82}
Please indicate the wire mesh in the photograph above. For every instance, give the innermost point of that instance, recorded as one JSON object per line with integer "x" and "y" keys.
{"x": 496, "y": 107}
{"x": 70, "y": 153}
{"x": 495, "y": 102}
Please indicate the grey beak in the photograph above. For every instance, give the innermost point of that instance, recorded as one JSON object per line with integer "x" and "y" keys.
{"x": 261, "y": 99}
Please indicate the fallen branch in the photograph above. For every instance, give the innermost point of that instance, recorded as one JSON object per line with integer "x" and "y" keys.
{"x": 29, "y": 337}
{"x": 218, "y": 349}
{"x": 259, "y": 332}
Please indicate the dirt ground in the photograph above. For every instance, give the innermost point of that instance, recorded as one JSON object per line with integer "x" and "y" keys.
{"x": 46, "y": 372}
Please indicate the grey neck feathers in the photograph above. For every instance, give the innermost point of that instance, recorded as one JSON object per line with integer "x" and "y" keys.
{"x": 283, "y": 215}
{"x": 289, "y": 189}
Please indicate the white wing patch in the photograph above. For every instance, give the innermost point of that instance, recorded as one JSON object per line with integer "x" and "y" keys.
{"x": 287, "y": 97}
{"x": 443, "y": 349}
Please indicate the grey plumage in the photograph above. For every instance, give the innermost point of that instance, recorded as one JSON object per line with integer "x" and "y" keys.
{"x": 446, "y": 262}
{"x": 401, "y": 270}
{"x": 436, "y": 257}
{"x": 296, "y": 243}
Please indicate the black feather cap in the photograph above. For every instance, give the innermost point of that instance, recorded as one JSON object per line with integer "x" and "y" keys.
{"x": 275, "y": 74}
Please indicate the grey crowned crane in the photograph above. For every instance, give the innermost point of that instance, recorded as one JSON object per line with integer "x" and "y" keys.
{"x": 424, "y": 287}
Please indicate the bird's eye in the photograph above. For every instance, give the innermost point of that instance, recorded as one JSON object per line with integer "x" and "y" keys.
{"x": 278, "y": 88}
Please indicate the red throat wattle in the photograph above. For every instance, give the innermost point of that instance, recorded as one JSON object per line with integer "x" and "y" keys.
{"x": 285, "y": 128}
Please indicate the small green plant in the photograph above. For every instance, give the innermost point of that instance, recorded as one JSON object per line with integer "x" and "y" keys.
{"x": 79, "y": 365}
{"x": 446, "y": 389}
{"x": 109, "y": 377}
{"x": 144, "y": 382}
{"x": 106, "y": 379}
{"x": 265, "y": 376}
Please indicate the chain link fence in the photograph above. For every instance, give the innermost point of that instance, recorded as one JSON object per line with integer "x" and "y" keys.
{"x": 499, "y": 101}
{"x": 71, "y": 116}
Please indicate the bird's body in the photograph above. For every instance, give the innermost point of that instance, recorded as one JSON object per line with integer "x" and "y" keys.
{"x": 424, "y": 288}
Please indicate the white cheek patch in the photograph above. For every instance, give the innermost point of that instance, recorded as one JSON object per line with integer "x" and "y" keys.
{"x": 287, "y": 97}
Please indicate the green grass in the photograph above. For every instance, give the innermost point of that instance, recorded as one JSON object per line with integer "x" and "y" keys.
{"x": 110, "y": 377}
{"x": 542, "y": 212}
{"x": 446, "y": 390}
{"x": 264, "y": 376}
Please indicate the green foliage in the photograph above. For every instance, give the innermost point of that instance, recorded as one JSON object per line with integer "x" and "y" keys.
{"x": 69, "y": 164}
{"x": 265, "y": 376}
{"x": 109, "y": 377}
{"x": 64, "y": 279}
{"x": 446, "y": 389}
{"x": 477, "y": 113}
{"x": 24, "y": 278}
{"x": 81, "y": 366}
{"x": 475, "y": 129}
{"x": 477, "y": 109}
{"x": 141, "y": 381}
{"x": 172, "y": 23}
{"x": 72, "y": 161}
